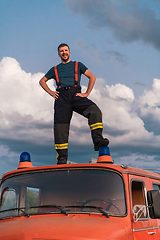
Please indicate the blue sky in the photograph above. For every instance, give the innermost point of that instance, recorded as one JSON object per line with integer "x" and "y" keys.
{"x": 119, "y": 41}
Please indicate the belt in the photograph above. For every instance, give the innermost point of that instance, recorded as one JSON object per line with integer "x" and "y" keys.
{"x": 66, "y": 88}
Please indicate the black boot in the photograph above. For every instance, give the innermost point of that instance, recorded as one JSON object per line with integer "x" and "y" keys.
{"x": 103, "y": 142}
{"x": 62, "y": 161}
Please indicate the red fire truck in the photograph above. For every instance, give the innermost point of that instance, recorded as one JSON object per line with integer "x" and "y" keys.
{"x": 99, "y": 200}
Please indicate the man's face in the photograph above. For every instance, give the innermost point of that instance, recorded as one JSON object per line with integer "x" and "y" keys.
{"x": 64, "y": 54}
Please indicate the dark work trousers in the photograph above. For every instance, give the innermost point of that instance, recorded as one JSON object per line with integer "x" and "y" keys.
{"x": 66, "y": 103}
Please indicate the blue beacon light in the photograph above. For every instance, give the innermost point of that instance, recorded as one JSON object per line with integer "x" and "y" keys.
{"x": 104, "y": 151}
{"x": 25, "y": 160}
{"x": 25, "y": 156}
{"x": 104, "y": 155}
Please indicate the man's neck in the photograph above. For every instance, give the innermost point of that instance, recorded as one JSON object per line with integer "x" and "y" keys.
{"x": 64, "y": 62}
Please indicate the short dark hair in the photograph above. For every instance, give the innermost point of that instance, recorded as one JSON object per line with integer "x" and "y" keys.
{"x": 63, "y": 45}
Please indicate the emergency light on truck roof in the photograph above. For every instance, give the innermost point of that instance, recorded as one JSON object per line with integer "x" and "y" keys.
{"x": 104, "y": 155}
{"x": 25, "y": 161}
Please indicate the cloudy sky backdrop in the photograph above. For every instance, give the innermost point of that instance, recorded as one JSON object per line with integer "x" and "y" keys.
{"x": 119, "y": 41}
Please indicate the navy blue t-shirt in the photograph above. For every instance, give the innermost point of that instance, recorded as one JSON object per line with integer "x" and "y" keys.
{"x": 66, "y": 73}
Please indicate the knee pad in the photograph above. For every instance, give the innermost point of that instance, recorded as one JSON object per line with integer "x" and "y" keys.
{"x": 94, "y": 114}
{"x": 61, "y": 133}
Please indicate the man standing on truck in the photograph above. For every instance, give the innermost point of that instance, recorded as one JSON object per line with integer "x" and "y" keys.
{"x": 68, "y": 98}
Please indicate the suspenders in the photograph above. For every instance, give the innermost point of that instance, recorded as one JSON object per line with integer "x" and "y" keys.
{"x": 57, "y": 78}
{"x": 76, "y": 75}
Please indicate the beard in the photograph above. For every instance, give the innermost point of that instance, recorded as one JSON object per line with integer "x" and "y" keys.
{"x": 65, "y": 59}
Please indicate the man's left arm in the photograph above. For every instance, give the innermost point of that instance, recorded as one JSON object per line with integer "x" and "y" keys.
{"x": 92, "y": 80}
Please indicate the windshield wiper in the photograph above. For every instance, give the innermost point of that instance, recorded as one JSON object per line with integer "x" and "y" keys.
{"x": 51, "y": 206}
{"x": 99, "y": 208}
{"x": 12, "y": 209}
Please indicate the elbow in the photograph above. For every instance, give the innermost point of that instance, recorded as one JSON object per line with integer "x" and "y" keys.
{"x": 40, "y": 82}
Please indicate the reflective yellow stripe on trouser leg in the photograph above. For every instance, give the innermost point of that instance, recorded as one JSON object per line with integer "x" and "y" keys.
{"x": 61, "y": 146}
{"x": 96, "y": 132}
{"x": 96, "y": 126}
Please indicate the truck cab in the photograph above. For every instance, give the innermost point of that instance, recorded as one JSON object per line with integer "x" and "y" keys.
{"x": 99, "y": 200}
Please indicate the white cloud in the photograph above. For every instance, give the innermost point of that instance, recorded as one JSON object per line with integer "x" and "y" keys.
{"x": 120, "y": 92}
{"x": 26, "y": 112}
{"x": 140, "y": 161}
{"x": 20, "y": 92}
{"x": 118, "y": 115}
{"x": 150, "y": 101}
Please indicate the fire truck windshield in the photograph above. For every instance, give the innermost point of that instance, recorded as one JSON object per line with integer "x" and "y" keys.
{"x": 63, "y": 191}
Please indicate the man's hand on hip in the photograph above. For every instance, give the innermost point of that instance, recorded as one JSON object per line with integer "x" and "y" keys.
{"x": 54, "y": 94}
{"x": 82, "y": 94}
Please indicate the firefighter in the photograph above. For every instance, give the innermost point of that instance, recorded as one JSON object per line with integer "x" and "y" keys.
{"x": 68, "y": 98}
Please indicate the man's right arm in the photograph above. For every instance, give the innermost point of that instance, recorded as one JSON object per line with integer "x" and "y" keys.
{"x": 43, "y": 83}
